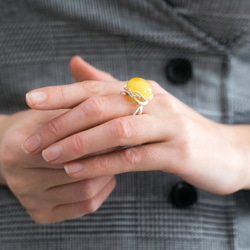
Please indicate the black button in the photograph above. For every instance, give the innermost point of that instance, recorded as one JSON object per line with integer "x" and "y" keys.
{"x": 183, "y": 195}
{"x": 179, "y": 71}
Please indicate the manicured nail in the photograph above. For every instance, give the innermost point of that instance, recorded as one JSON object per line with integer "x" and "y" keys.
{"x": 31, "y": 144}
{"x": 36, "y": 97}
{"x": 52, "y": 153}
{"x": 73, "y": 168}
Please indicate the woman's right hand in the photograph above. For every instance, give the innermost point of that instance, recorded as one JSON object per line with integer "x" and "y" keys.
{"x": 45, "y": 190}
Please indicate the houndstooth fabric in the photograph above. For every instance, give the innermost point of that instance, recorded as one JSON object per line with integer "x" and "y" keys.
{"x": 132, "y": 38}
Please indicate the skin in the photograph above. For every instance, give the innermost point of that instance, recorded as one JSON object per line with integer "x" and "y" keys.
{"x": 91, "y": 121}
{"x": 45, "y": 190}
{"x": 169, "y": 136}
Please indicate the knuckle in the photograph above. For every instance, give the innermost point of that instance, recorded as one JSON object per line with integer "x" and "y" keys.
{"x": 100, "y": 165}
{"x": 91, "y": 206}
{"x": 94, "y": 106}
{"x": 122, "y": 129}
{"x": 54, "y": 127}
{"x": 18, "y": 186}
{"x": 93, "y": 87}
{"x": 170, "y": 103}
{"x": 61, "y": 94}
{"x": 87, "y": 190}
{"x": 152, "y": 82}
{"x": 77, "y": 143}
{"x": 132, "y": 156}
{"x": 162, "y": 100}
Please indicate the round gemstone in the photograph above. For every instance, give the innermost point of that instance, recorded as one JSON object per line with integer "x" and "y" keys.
{"x": 141, "y": 86}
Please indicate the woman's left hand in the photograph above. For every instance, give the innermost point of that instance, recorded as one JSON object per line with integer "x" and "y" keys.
{"x": 99, "y": 136}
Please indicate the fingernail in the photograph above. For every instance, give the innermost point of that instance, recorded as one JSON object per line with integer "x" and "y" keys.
{"x": 36, "y": 97}
{"x": 52, "y": 153}
{"x": 31, "y": 144}
{"x": 73, "y": 168}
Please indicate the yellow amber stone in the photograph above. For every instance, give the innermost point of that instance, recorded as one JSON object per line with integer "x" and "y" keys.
{"x": 141, "y": 86}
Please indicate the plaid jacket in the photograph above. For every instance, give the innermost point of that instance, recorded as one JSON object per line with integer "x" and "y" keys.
{"x": 133, "y": 38}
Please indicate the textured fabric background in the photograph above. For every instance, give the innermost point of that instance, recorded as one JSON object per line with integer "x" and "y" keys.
{"x": 132, "y": 38}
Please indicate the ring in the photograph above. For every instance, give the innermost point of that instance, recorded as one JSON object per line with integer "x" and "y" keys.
{"x": 139, "y": 90}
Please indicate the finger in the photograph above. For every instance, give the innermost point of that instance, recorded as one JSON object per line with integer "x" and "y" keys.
{"x": 74, "y": 210}
{"x": 68, "y": 96}
{"x": 82, "y": 71}
{"x": 125, "y": 131}
{"x": 92, "y": 112}
{"x": 88, "y": 114}
{"x": 65, "y": 194}
{"x": 33, "y": 181}
{"x": 149, "y": 157}
{"x": 48, "y": 178}
{"x": 80, "y": 191}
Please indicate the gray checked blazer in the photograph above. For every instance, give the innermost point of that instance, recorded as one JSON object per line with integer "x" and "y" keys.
{"x": 198, "y": 50}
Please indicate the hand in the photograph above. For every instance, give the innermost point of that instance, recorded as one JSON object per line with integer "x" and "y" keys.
{"x": 45, "y": 190}
{"x": 172, "y": 137}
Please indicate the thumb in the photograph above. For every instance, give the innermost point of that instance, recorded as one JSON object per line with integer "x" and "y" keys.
{"x": 82, "y": 71}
